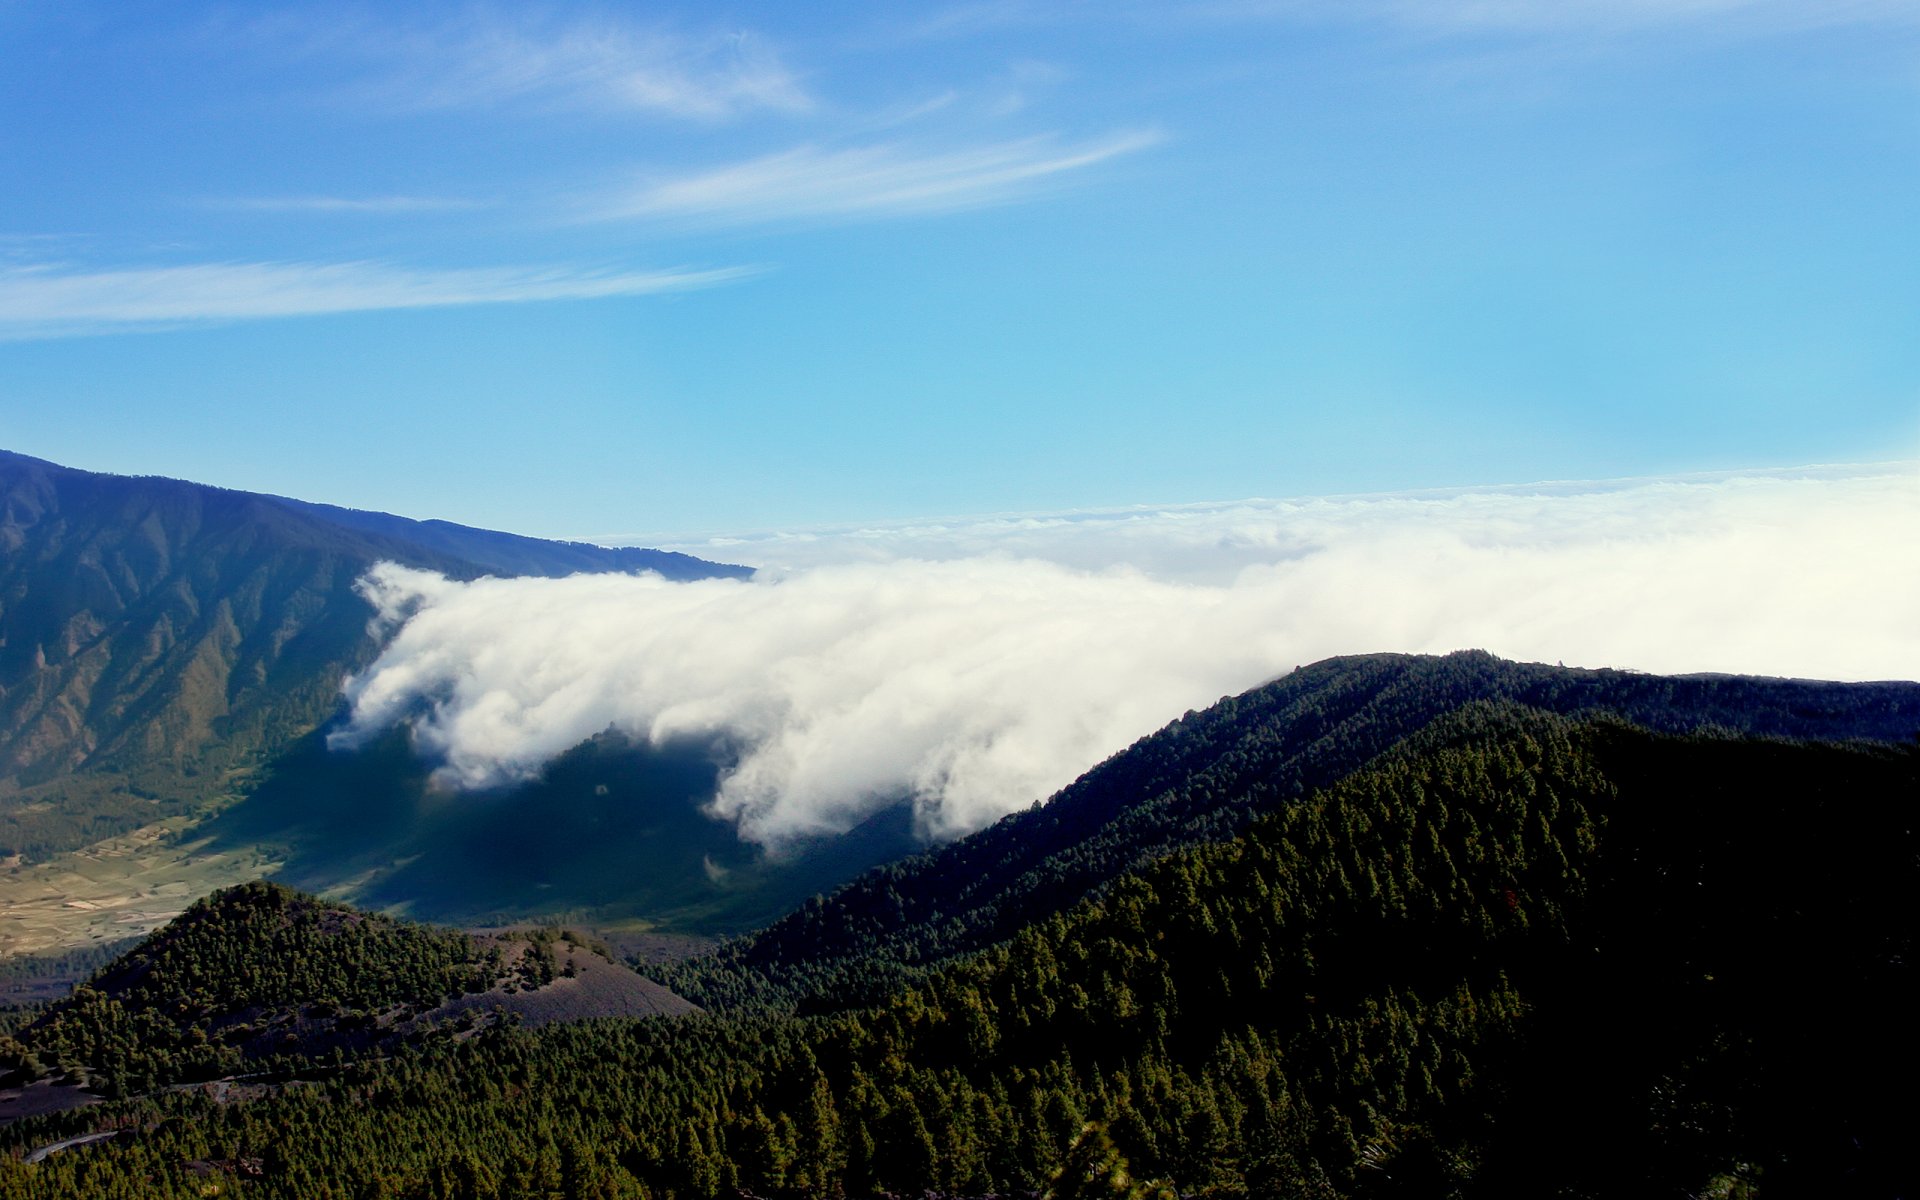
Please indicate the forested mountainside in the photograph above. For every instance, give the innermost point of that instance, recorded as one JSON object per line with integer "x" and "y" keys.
{"x": 1518, "y": 955}
{"x": 29, "y": 981}
{"x": 156, "y": 634}
{"x": 260, "y": 977}
{"x": 1205, "y": 777}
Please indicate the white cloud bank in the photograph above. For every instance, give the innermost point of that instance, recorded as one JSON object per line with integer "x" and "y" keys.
{"x": 979, "y": 684}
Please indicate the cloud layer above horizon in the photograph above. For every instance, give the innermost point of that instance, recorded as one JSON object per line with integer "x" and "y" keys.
{"x": 978, "y": 684}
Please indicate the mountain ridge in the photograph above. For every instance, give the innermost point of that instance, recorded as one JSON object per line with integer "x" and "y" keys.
{"x": 157, "y": 635}
{"x": 1204, "y": 777}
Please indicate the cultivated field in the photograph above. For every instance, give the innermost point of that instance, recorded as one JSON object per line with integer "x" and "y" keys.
{"x": 114, "y": 889}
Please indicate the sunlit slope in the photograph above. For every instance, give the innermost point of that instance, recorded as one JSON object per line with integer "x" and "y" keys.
{"x": 156, "y": 635}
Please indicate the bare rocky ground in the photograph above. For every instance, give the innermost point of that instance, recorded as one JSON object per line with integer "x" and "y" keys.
{"x": 585, "y": 985}
{"x": 38, "y": 1099}
{"x": 649, "y": 946}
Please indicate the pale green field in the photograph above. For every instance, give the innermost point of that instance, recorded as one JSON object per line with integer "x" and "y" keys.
{"x": 114, "y": 889}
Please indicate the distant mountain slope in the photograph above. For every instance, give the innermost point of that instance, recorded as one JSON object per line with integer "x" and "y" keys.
{"x": 155, "y": 634}
{"x": 1204, "y": 778}
{"x": 511, "y": 554}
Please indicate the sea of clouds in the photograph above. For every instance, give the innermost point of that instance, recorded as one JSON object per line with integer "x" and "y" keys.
{"x": 978, "y": 665}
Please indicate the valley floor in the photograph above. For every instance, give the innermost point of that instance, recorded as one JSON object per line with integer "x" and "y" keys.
{"x": 122, "y": 887}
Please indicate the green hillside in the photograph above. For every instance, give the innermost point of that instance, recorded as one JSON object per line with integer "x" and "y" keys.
{"x": 1518, "y": 955}
{"x": 251, "y": 972}
{"x": 261, "y": 978}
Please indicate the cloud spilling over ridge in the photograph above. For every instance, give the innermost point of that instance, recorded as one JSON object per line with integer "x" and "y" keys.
{"x": 979, "y": 684}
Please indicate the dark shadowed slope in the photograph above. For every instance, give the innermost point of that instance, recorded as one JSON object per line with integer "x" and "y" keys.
{"x": 1203, "y": 778}
{"x": 613, "y": 829}
{"x": 155, "y": 634}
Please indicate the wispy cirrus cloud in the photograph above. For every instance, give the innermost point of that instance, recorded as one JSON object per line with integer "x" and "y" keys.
{"x": 490, "y": 59}
{"x": 45, "y": 301}
{"x": 811, "y": 182}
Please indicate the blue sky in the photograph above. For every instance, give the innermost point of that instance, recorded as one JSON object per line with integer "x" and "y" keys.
{"x": 578, "y": 270}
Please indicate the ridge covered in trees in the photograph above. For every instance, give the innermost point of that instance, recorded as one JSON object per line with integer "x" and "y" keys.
{"x": 260, "y": 978}
{"x": 1205, "y": 777}
{"x": 1514, "y": 953}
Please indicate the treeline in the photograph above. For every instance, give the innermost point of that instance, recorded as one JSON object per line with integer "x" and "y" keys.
{"x": 1518, "y": 956}
{"x": 44, "y": 819}
{"x": 29, "y": 982}
{"x": 27, "y": 972}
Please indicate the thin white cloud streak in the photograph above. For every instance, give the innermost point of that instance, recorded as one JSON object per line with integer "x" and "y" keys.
{"x": 811, "y": 182}
{"x": 44, "y": 301}
{"x": 980, "y": 684}
{"x": 593, "y": 62}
